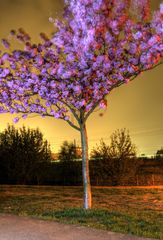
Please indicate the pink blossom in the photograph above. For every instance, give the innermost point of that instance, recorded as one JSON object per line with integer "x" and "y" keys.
{"x": 138, "y": 35}
{"x": 83, "y": 61}
{"x": 161, "y": 8}
{"x": 103, "y": 104}
{"x": 15, "y": 120}
{"x": 153, "y": 40}
{"x": 5, "y": 43}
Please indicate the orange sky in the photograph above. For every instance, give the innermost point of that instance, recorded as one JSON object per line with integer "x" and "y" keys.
{"x": 137, "y": 106}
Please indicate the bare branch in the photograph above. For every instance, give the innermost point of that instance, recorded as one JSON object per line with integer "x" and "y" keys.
{"x": 68, "y": 121}
{"x": 72, "y": 125}
{"x": 93, "y": 108}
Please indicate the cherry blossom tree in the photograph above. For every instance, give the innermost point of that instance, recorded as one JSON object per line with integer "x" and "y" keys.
{"x": 97, "y": 46}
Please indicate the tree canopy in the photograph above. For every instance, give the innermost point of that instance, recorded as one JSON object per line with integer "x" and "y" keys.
{"x": 99, "y": 45}
{"x": 69, "y": 151}
{"x": 22, "y": 152}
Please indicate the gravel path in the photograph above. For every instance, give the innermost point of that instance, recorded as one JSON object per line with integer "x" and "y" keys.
{"x": 25, "y": 228}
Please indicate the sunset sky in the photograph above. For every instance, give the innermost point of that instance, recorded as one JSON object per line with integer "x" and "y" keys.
{"x": 137, "y": 106}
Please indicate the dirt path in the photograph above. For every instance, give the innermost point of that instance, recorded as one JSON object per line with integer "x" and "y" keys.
{"x": 24, "y": 228}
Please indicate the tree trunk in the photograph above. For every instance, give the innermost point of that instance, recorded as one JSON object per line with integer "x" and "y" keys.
{"x": 85, "y": 168}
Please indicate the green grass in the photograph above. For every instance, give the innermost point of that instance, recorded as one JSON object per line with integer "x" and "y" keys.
{"x": 137, "y": 211}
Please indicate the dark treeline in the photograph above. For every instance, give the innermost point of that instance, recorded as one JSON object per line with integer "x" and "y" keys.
{"x": 25, "y": 158}
{"x": 145, "y": 172}
{"x": 139, "y": 172}
{"x": 23, "y": 155}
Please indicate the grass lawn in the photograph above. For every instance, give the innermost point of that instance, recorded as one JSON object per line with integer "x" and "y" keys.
{"x": 137, "y": 211}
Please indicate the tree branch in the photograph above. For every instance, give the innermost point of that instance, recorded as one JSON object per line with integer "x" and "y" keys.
{"x": 153, "y": 67}
{"x": 144, "y": 70}
{"x": 72, "y": 110}
{"x": 91, "y": 111}
{"x": 118, "y": 85}
{"x": 72, "y": 125}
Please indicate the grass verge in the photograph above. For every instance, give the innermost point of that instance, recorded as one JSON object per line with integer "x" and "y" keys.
{"x": 137, "y": 211}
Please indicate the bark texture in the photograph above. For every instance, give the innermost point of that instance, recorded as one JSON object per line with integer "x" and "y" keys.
{"x": 85, "y": 168}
